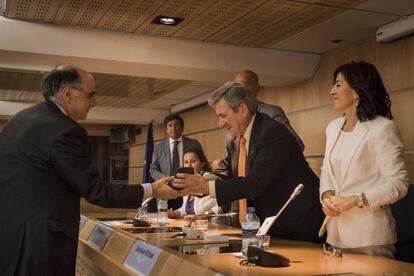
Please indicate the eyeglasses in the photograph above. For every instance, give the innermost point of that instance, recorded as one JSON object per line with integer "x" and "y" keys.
{"x": 332, "y": 251}
{"x": 91, "y": 95}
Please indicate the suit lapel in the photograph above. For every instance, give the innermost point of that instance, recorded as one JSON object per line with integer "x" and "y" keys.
{"x": 332, "y": 137}
{"x": 168, "y": 154}
{"x": 253, "y": 139}
{"x": 235, "y": 145}
{"x": 330, "y": 144}
{"x": 186, "y": 143}
{"x": 235, "y": 156}
{"x": 359, "y": 133}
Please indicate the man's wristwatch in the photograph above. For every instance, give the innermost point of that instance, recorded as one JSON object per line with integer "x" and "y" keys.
{"x": 360, "y": 200}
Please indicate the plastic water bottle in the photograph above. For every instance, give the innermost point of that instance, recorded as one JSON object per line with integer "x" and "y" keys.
{"x": 162, "y": 212}
{"x": 250, "y": 226}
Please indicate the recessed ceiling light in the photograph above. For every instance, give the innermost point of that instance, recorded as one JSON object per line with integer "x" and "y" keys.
{"x": 167, "y": 20}
{"x": 336, "y": 40}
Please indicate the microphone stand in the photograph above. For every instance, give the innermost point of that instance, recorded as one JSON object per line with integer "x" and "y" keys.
{"x": 268, "y": 222}
{"x": 141, "y": 221}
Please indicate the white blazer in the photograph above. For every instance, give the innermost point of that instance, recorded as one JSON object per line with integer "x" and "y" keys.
{"x": 203, "y": 204}
{"x": 373, "y": 166}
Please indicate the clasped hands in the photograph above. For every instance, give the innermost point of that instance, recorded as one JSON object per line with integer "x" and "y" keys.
{"x": 187, "y": 183}
{"x": 333, "y": 206}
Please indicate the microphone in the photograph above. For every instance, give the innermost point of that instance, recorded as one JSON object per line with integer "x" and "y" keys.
{"x": 139, "y": 221}
{"x": 297, "y": 191}
{"x": 145, "y": 202}
{"x": 268, "y": 222}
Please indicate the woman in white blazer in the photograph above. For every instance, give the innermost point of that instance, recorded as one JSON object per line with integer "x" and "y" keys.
{"x": 363, "y": 170}
{"x": 193, "y": 204}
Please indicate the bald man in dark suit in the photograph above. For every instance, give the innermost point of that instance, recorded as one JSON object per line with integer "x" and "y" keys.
{"x": 45, "y": 171}
{"x": 251, "y": 80}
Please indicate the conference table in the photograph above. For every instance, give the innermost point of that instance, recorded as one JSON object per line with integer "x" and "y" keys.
{"x": 110, "y": 245}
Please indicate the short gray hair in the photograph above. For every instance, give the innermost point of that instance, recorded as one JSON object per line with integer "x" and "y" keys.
{"x": 234, "y": 93}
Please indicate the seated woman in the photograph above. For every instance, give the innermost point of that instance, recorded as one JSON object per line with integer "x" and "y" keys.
{"x": 194, "y": 204}
{"x": 363, "y": 170}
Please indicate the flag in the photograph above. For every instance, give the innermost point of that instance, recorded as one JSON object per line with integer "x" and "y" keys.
{"x": 146, "y": 176}
{"x": 149, "y": 149}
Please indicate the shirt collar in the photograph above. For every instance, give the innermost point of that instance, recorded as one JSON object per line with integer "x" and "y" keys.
{"x": 172, "y": 140}
{"x": 53, "y": 100}
{"x": 248, "y": 131}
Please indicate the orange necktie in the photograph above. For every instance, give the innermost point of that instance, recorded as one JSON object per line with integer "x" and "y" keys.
{"x": 241, "y": 170}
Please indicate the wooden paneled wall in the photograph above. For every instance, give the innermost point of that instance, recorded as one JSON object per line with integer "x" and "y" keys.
{"x": 308, "y": 104}
{"x": 309, "y": 108}
{"x": 97, "y": 129}
{"x": 200, "y": 123}
{"x": 92, "y": 129}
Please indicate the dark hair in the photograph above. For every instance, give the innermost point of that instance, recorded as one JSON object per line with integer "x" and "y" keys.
{"x": 174, "y": 117}
{"x": 364, "y": 78}
{"x": 200, "y": 154}
{"x": 59, "y": 77}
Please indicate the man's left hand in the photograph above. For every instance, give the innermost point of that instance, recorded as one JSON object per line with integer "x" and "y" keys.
{"x": 191, "y": 183}
{"x": 160, "y": 189}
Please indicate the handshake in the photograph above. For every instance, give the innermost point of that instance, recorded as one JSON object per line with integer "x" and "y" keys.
{"x": 182, "y": 184}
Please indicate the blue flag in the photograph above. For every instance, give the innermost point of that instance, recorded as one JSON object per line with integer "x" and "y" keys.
{"x": 149, "y": 149}
{"x": 146, "y": 176}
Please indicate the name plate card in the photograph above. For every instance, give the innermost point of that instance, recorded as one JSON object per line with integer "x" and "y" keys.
{"x": 142, "y": 257}
{"x": 100, "y": 236}
{"x": 267, "y": 223}
{"x": 82, "y": 221}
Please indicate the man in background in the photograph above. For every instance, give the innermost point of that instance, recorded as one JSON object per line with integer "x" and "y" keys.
{"x": 46, "y": 170}
{"x": 168, "y": 154}
{"x": 251, "y": 80}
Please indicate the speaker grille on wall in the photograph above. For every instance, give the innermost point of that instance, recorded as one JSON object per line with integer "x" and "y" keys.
{"x": 119, "y": 135}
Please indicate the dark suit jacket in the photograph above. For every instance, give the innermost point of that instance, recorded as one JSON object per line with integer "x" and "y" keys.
{"x": 275, "y": 166}
{"x": 161, "y": 157}
{"x": 276, "y": 113}
{"x": 161, "y": 163}
{"x": 45, "y": 171}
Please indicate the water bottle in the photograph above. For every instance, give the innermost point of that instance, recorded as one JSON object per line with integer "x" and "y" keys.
{"x": 162, "y": 212}
{"x": 250, "y": 226}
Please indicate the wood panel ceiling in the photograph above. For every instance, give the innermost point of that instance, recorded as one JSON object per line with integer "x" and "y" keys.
{"x": 252, "y": 23}
{"x": 113, "y": 90}
{"x": 257, "y": 23}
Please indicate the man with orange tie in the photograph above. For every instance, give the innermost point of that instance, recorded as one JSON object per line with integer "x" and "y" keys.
{"x": 264, "y": 165}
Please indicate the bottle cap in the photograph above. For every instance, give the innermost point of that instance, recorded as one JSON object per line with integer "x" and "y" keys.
{"x": 251, "y": 209}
